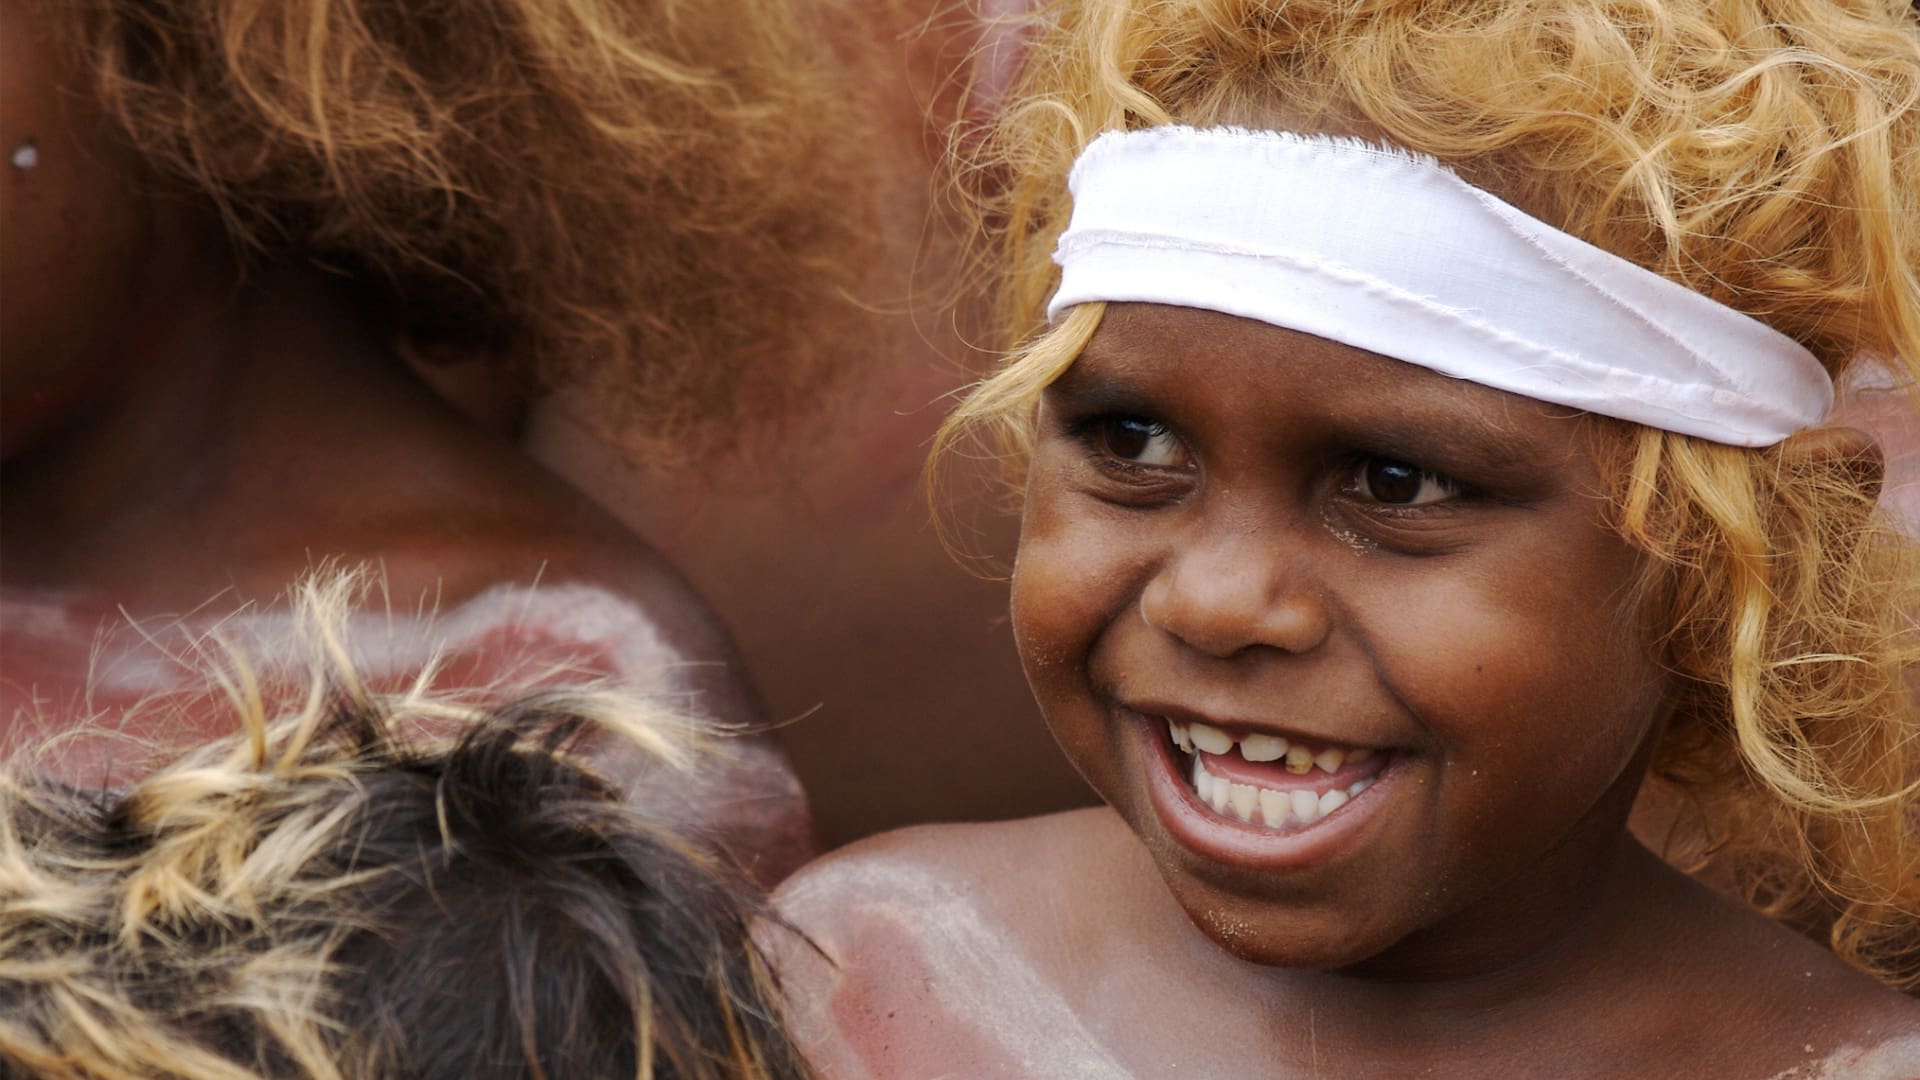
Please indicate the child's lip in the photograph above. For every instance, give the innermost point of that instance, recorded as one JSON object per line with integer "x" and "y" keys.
{"x": 1237, "y": 844}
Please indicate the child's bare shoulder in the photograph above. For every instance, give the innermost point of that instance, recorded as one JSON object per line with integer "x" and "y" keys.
{"x": 1013, "y": 878}
{"x": 1735, "y": 987}
{"x": 942, "y": 950}
{"x": 1871, "y": 1029}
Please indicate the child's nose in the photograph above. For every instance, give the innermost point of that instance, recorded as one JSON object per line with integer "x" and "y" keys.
{"x": 1222, "y": 598}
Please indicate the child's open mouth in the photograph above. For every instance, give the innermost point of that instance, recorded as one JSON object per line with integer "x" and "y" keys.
{"x": 1270, "y": 780}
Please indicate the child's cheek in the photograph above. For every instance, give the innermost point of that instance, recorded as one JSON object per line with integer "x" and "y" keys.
{"x": 1068, "y": 581}
{"x": 1077, "y": 574}
{"x": 1049, "y": 610}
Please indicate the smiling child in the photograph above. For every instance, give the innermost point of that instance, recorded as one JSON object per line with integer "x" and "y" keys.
{"x": 1420, "y": 416}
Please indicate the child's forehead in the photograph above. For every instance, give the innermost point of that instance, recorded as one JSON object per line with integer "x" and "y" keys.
{"x": 1162, "y": 346}
{"x": 1215, "y": 376}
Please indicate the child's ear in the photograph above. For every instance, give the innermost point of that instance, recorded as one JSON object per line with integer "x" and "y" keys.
{"x": 1847, "y": 449}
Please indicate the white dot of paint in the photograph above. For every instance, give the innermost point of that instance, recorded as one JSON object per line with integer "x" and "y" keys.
{"x": 26, "y": 157}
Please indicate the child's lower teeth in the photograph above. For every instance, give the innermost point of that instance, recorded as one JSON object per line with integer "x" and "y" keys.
{"x": 1266, "y": 806}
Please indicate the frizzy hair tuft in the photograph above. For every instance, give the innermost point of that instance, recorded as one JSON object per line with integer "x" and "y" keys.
{"x": 417, "y": 882}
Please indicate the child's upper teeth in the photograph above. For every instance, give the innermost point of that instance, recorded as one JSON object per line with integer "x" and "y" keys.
{"x": 1262, "y": 747}
{"x": 1210, "y": 738}
{"x": 1181, "y": 737}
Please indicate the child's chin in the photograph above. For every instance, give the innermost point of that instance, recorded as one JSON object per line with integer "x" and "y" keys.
{"x": 1285, "y": 940}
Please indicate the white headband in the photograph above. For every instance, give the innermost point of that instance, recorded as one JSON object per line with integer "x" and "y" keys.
{"x": 1389, "y": 251}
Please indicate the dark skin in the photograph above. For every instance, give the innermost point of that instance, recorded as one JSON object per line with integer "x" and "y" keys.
{"x": 1239, "y": 525}
{"x": 182, "y": 432}
{"x": 815, "y": 542}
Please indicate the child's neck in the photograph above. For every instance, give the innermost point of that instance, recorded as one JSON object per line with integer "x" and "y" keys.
{"x": 1529, "y": 933}
{"x": 1493, "y": 959}
{"x": 1562, "y": 954}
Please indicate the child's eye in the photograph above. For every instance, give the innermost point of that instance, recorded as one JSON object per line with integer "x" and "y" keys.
{"x": 1395, "y": 483}
{"x": 1137, "y": 440}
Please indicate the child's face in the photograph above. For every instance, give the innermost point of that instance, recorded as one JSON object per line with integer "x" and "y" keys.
{"x": 1275, "y": 535}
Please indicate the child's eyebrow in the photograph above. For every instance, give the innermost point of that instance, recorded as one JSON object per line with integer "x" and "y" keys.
{"x": 1459, "y": 440}
{"x": 1456, "y": 432}
{"x": 1081, "y": 387}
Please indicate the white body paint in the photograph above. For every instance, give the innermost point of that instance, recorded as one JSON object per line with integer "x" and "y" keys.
{"x": 129, "y": 685}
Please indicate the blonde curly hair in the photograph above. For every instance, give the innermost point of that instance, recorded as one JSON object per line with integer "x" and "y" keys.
{"x": 1765, "y": 153}
{"x": 634, "y": 195}
{"x": 363, "y": 883}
